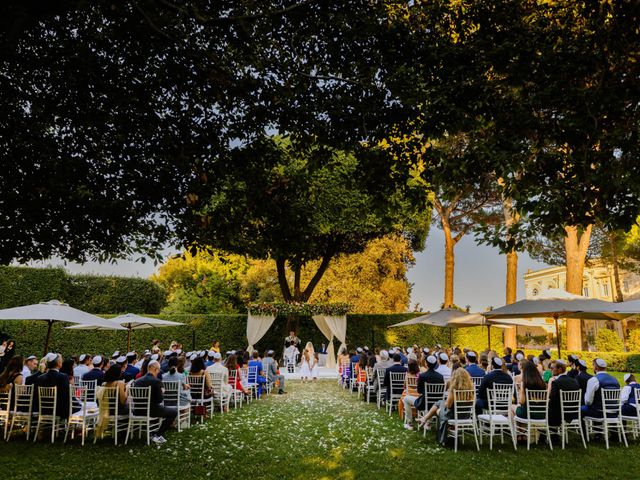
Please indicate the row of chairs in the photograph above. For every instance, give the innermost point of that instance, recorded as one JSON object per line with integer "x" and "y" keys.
{"x": 499, "y": 417}
{"x": 17, "y": 406}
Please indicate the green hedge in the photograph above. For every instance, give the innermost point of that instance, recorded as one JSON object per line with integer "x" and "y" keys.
{"x": 92, "y": 293}
{"x": 199, "y": 331}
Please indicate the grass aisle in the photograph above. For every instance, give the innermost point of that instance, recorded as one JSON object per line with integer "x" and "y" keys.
{"x": 315, "y": 431}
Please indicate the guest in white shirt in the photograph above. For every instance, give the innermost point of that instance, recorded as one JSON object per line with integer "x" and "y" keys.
{"x": 218, "y": 367}
{"x": 443, "y": 369}
{"x": 629, "y": 395}
{"x": 30, "y": 366}
{"x": 84, "y": 365}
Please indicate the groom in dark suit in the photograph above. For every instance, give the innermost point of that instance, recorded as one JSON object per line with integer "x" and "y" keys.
{"x": 560, "y": 382}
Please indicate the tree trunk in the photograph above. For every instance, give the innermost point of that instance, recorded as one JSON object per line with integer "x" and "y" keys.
{"x": 510, "y": 218}
{"x": 300, "y": 295}
{"x": 282, "y": 279}
{"x": 576, "y": 246}
{"x": 449, "y": 265}
{"x": 510, "y": 339}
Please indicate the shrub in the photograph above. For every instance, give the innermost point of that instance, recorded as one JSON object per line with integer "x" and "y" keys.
{"x": 608, "y": 341}
{"x": 633, "y": 342}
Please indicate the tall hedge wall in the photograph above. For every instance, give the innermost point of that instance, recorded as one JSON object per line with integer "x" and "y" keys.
{"x": 200, "y": 330}
{"x": 91, "y": 293}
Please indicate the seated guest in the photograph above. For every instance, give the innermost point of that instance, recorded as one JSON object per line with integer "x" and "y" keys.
{"x": 573, "y": 366}
{"x": 372, "y": 360}
{"x": 442, "y": 368}
{"x": 600, "y": 381}
{"x": 12, "y": 376}
{"x": 84, "y": 365}
{"x": 472, "y": 367}
{"x": 218, "y": 367}
{"x": 112, "y": 380}
{"x": 361, "y": 369}
{"x": 96, "y": 372}
{"x": 53, "y": 378}
{"x": 236, "y": 383}
{"x": 583, "y": 378}
{"x": 445, "y": 409}
{"x": 547, "y": 366}
{"x": 157, "y": 408}
{"x": 484, "y": 361}
{"x": 130, "y": 371}
{"x": 531, "y": 380}
{"x": 515, "y": 365}
{"x": 558, "y": 383}
{"x": 384, "y": 363}
{"x": 30, "y": 367}
{"x": 507, "y": 357}
{"x": 175, "y": 375}
{"x": 260, "y": 376}
{"x": 629, "y": 395}
{"x": 412, "y": 391}
{"x": 431, "y": 376}
{"x": 497, "y": 375}
{"x": 397, "y": 367}
{"x": 67, "y": 368}
{"x": 198, "y": 370}
{"x": 271, "y": 369}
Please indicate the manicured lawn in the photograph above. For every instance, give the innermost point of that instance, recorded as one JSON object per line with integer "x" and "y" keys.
{"x": 315, "y": 431}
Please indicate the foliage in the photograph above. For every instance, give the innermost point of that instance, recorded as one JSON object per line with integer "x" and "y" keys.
{"x": 633, "y": 341}
{"x": 373, "y": 281}
{"x": 608, "y": 341}
{"x": 92, "y": 293}
{"x": 204, "y": 282}
{"x": 296, "y": 205}
{"x": 616, "y": 361}
{"x": 298, "y": 308}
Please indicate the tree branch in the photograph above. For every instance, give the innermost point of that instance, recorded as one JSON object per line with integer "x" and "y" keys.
{"x": 317, "y": 276}
{"x": 238, "y": 18}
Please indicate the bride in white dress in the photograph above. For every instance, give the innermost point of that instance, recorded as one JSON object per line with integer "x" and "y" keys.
{"x": 309, "y": 367}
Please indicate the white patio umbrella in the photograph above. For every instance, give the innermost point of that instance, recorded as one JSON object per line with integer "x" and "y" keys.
{"x": 55, "y": 311}
{"x": 556, "y": 304}
{"x": 479, "y": 319}
{"x": 441, "y": 318}
{"x": 130, "y": 321}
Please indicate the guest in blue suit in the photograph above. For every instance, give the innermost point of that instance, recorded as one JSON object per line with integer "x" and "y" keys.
{"x": 53, "y": 378}
{"x": 472, "y": 367}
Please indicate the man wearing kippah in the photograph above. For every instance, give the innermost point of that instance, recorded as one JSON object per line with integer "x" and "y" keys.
{"x": 443, "y": 369}
{"x": 431, "y": 376}
{"x": 472, "y": 367}
{"x": 601, "y": 380}
{"x": 629, "y": 395}
{"x": 573, "y": 366}
{"x": 583, "y": 377}
{"x": 497, "y": 375}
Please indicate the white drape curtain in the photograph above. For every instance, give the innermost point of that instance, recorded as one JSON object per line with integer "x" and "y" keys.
{"x": 322, "y": 325}
{"x": 338, "y": 326}
{"x": 257, "y": 326}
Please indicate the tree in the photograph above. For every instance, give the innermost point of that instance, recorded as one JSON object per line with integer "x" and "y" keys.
{"x": 206, "y": 282}
{"x": 277, "y": 200}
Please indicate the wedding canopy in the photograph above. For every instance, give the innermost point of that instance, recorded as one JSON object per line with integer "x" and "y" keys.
{"x": 55, "y": 311}
{"x": 331, "y": 320}
{"x": 556, "y": 304}
{"x": 130, "y": 321}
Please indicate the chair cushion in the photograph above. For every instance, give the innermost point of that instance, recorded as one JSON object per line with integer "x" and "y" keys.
{"x": 494, "y": 418}
{"x": 532, "y": 421}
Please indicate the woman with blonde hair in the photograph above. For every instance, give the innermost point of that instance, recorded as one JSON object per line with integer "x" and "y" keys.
{"x": 445, "y": 409}
{"x": 309, "y": 367}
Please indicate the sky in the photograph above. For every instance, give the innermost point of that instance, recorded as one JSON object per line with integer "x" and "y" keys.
{"x": 479, "y": 273}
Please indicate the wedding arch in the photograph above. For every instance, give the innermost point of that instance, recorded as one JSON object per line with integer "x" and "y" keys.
{"x": 330, "y": 318}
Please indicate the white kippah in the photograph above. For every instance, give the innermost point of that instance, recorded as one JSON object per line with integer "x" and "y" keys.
{"x": 519, "y": 356}
{"x": 601, "y": 363}
{"x": 193, "y": 356}
{"x": 166, "y": 353}
{"x": 626, "y": 377}
{"x": 431, "y": 359}
{"x": 51, "y": 357}
{"x": 116, "y": 354}
{"x": 217, "y": 356}
{"x": 131, "y": 354}
{"x": 121, "y": 359}
{"x": 359, "y": 350}
{"x": 497, "y": 361}
{"x": 561, "y": 362}
{"x": 471, "y": 354}
{"x": 82, "y": 357}
{"x": 97, "y": 360}
{"x": 444, "y": 357}
{"x": 211, "y": 353}
{"x": 154, "y": 357}
{"x": 582, "y": 363}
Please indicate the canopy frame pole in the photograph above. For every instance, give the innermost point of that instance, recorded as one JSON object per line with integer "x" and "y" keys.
{"x": 555, "y": 318}
{"x": 46, "y": 342}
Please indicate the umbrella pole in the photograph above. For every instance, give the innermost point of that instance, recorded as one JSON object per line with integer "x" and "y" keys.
{"x": 129, "y": 339}
{"x": 46, "y": 342}
{"x": 555, "y": 318}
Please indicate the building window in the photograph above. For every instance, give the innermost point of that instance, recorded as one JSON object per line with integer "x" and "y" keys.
{"x": 605, "y": 290}
{"x": 585, "y": 291}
